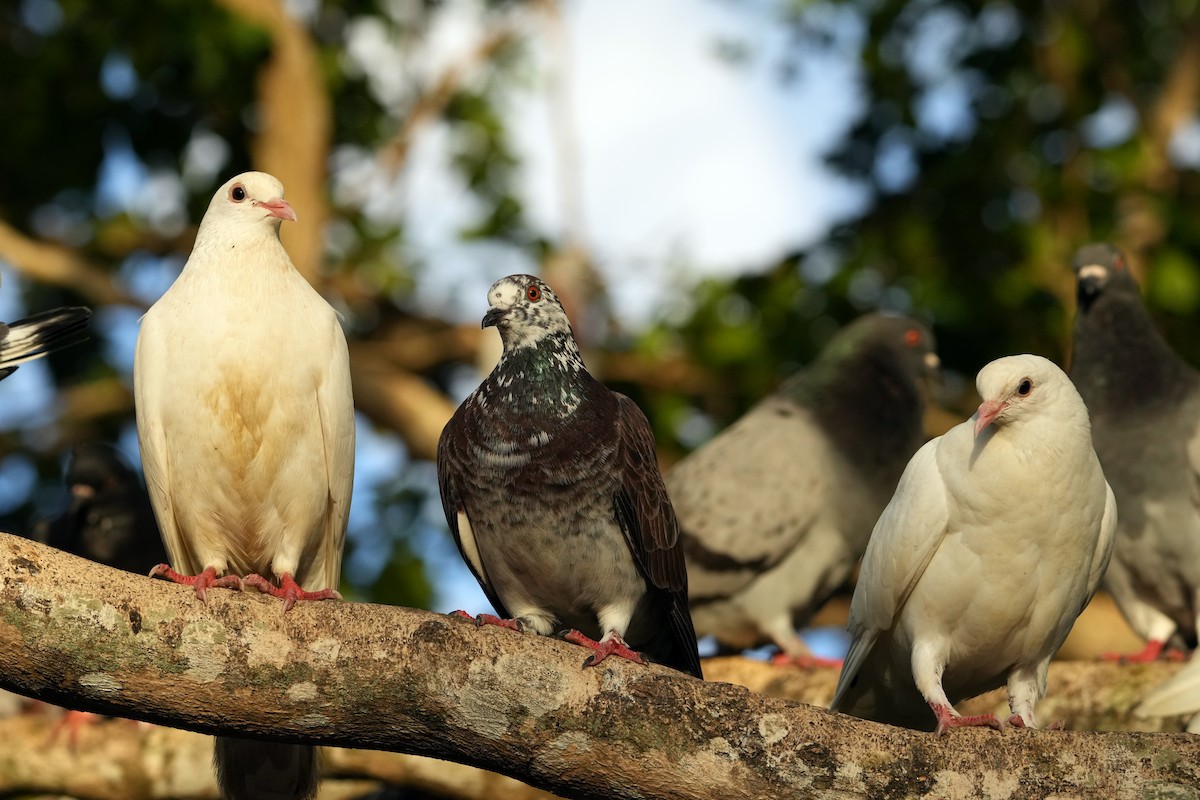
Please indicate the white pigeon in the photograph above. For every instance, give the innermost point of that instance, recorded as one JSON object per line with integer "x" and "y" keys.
{"x": 994, "y": 542}
{"x": 246, "y": 426}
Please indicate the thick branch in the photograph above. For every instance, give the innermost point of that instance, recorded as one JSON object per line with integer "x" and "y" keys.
{"x": 402, "y": 401}
{"x": 377, "y": 677}
{"x": 437, "y": 97}
{"x": 58, "y": 265}
{"x": 118, "y": 760}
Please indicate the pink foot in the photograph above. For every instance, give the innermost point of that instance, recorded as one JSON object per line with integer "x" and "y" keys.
{"x": 289, "y": 590}
{"x": 947, "y": 720}
{"x": 805, "y": 661}
{"x": 1153, "y": 651}
{"x": 610, "y": 645}
{"x": 1017, "y": 721}
{"x": 71, "y": 724}
{"x": 491, "y": 619}
{"x": 201, "y": 583}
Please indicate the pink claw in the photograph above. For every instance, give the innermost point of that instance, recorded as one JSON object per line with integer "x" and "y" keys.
{"x": 1153, "y": 651}
{"x": 611, "y": 645}
{"x": 947, "y": 720}
{"x": 289, "y": 590}
{"x": 491, "y": 619}
{"x": 805, "y": 661}
{"x": 201, "y": 583}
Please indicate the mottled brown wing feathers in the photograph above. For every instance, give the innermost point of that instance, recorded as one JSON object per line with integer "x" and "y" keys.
{"x": 647, "y": 516}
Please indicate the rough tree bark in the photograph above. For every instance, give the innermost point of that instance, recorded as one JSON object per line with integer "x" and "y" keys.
{"x": 357, "y": 675}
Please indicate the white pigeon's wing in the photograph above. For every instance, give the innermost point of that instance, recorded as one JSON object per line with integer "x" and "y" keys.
{"x": 1179, "y": 695}
{"x": 905, "y": 538}
{"x": 335, "y": 404}
{"x": 1104, "y": 545}
{"x": 151, "y": 370}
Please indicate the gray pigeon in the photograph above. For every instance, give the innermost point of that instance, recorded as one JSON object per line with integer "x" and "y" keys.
{"x": 993, "y": 544}
{"x": 551, "y": 489}
{"x": 1145, "y": 406}
{"x": 39, "y": 334}
{"x": 777, "y": 509}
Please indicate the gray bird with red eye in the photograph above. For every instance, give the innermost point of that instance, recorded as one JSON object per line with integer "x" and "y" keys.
{"x": 1144, "y": 402}
{"x": 552, "y": 492}
{"x": 777, "y": 509}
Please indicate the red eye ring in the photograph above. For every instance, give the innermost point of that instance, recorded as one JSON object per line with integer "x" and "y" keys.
{"x": 533, "y": 293}
{"x": 912, "y": 337}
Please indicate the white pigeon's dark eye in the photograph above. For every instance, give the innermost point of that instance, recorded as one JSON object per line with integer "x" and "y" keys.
{"x": 533, "y": 293}
{"x": 1025, "y": 387}
{"x": 237, "y": 193}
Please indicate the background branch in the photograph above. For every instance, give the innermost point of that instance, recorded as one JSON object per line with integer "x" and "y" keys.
{"x": 377, "y": 677}
{"x": 59, "y": 266}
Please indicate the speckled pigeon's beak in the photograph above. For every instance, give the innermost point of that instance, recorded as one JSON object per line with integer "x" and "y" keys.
{"x": 493, "y": 316}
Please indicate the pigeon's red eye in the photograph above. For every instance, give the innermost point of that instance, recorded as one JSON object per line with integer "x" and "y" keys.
{"x": 237, "y": 193}
{"x": 533, "y": 293}
{"x": 912, "y": 337}
{"x": 1118, "y": 263}
{"x": 1025, "y": 387}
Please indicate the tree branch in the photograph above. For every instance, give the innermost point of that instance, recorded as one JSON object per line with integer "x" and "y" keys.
{"x": 433, "y": 101}
{"x": 358, "y": 675}
{"x": 60, "y": 266}
{"x": 118, "y": 760}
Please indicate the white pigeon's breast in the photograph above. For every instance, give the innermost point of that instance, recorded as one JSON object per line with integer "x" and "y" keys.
{"x": 1008, "y": 580}
{"x": 236, "y": 377}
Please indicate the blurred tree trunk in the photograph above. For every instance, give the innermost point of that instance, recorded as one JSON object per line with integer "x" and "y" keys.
{"x": 294, "y": 127}
{"x": 358, "y": 675}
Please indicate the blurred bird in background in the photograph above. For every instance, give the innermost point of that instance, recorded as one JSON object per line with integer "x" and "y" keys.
{"x": 777, "y": 509}
{"x": 108, "y": 516}
{"x": 1144, "y": 402}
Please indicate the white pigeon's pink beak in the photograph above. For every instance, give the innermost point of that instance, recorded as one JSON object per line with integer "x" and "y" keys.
{"x": 279, "y": 208}
{"x": 987, "y": 412}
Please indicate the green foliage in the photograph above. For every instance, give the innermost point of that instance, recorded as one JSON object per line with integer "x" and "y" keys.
{"x": 77, "y": 81}
{"x": 973, "y": 214}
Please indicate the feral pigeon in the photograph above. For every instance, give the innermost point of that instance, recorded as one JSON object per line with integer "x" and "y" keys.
{"x": 1145, "y": 406}
{"x": 108, "y": 518}
{"x": 777, "y": 509}
{"x": 39, "y": 334}
{"x": 993, "y": 544}
{"x": 246, "y": 426}
{"x": 553, "y": 494}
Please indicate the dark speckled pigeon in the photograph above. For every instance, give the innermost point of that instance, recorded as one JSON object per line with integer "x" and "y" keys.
{"x": 109, "y": 519}
{"x": 1144, "y": 402}
{"x": 552, "y": 492}
{"x": 778, "y": 508}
